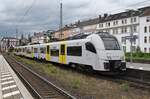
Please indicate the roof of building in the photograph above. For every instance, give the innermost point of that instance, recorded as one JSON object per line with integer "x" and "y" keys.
{"x": 101, "y": 19}
{"x": 106, "y": 17}
{"x": 4, "y": 38}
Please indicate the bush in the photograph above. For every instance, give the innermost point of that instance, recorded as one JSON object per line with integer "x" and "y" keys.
{"x": 76, "y": 83}
{"x": 124, "y": 86}
{"x": 138, "y": 55}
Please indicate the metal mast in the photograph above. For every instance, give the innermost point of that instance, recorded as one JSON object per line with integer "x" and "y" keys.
{"x": 61, "y": 20}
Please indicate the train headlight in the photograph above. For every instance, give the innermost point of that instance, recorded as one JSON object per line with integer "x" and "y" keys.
{"x": 109, "y": 57}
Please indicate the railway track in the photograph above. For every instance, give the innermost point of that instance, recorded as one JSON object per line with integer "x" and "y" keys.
{"x": 39, "y": 87}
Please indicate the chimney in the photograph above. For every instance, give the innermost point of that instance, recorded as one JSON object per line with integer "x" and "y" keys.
{"x": 105, "y": 15}
{"x": 78, "y": 21}
{"x": 100, "y": 16}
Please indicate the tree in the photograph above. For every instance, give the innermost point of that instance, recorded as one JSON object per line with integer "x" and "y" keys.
{"x": 138, "y": 49}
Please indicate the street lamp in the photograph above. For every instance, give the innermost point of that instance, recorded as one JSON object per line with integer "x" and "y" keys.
{"x": 131, "y": 11}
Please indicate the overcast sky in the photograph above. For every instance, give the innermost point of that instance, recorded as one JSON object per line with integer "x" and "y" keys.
{"x": 44, "y": 14}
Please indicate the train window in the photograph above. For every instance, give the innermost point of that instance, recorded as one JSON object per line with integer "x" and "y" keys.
{"x": 19, "y": 50}
{"x": 54, "y": 52}
{"x": 111, "y": 43}
{"x": 74, "y": 51}
{"x": 28, "y": 51}
{"x": 42, "y": 50}
{"x": 35, "y": 50}
{"x": 90, "y": 47}
{"x": 62, "y": 47}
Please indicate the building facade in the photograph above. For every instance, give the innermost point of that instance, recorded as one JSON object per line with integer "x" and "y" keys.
{"x": 40, "y": 37}
{"x": 8, "y": 42}
{"x": 129, "y": 26}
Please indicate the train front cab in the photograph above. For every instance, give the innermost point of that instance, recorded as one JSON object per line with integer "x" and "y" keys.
{"x": 110, "y": 54}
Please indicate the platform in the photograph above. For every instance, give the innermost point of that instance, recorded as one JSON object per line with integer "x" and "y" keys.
{"x": 10, "y": 85}
{"x": 139, "y": 66}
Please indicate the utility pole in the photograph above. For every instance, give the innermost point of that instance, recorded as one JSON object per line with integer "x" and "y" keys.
{"x": 131, "y": 37}
{"x": 17, "y": 42}
{"x": 61, "y": 19}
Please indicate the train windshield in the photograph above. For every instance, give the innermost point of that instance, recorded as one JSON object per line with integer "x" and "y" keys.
{"x": 110, "y": 43}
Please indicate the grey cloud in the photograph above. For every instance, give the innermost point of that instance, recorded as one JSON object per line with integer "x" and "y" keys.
{"x": 45, "y": 13}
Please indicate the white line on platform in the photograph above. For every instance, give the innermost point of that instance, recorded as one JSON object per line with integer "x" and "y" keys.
{"x": 9, "y": 87}
{"x": 8, "y": 78}
{"x": 11, "y": 93}
{"x": 8, "y": 82}
{"x": 6, "y": 75}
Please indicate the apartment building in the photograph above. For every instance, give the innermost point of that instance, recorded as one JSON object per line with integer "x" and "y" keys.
{"x": 8, "y": 42}
{"x": 40, "y": 37}
{"x": 124, "y": 25}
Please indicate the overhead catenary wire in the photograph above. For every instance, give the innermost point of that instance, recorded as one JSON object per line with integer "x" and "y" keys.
{"x": 24, "y": 15}
{"x": 122, "y": 8}
{"x": 130, "y": 5}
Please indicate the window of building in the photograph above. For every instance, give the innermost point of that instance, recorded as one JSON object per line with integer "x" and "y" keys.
{"x": 108, "y": 23}
{"x": 116, "y": 22}
{"x": 145, "y": 49}
{"x": 74, "y": 51}
{"x": 122, "y": 30}
{"x": 122, "y": 21}
{"x": 145, "y": 29}
{"x": 149, "y": 29}
{"x": 116, "y": 31}
{"x": 134, "y": 19}
{"x": 149, "y": 39}
{"x": 125, "y": 29}
{"x": 131, "y": 20}
{"x": 90, "y": 47}
{"x": 134, "y": 28}
{"x": 148, "y": 19}
{"x": 54, "y": 52}
{"x": 125, "y": 21}
{"x": 145, "y": 39}
{"x": 101, "y": 25}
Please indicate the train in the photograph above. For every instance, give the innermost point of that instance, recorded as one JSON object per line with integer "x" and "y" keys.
{"x": 98, "y": 51}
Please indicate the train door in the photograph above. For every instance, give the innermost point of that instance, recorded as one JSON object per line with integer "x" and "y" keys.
{"x": 62, "y": 56}
{"x": 48, "y": 53}
{"x": 32, "y": 52}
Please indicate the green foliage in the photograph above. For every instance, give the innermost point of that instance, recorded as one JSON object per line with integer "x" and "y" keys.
{"x": 139, "y": 55}
{"x": 138, "y": 50}
{"x": 76, "y": 83}
{"x": 11, "y": 49}
{"x": 124, "y": 86}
